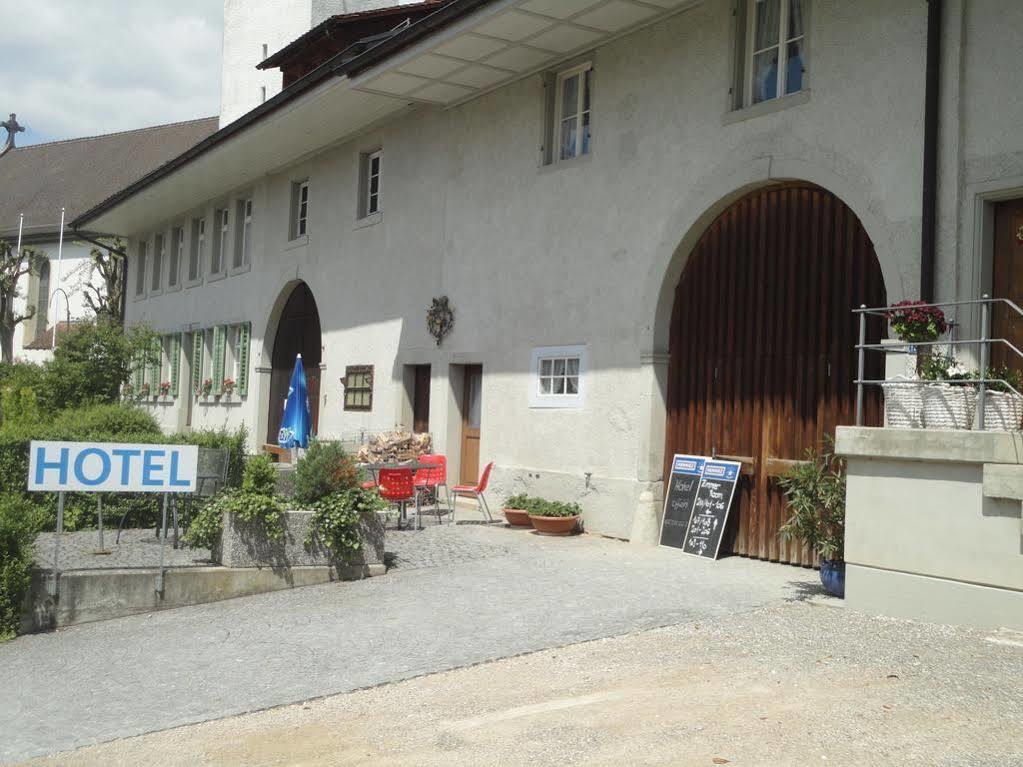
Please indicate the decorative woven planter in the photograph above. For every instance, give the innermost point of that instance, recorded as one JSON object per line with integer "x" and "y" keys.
{"x": 903, "y": 406}
{"x": 1003, "y": 411}
{"x": 948, "y": 407}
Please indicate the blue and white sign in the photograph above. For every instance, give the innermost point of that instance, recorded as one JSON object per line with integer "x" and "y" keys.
{"x": 108, "y": 467}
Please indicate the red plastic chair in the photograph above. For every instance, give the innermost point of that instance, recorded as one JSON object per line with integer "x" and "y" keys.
{"x": 396, "y": 486}
{"x": 470, "y": 491}
{"x": 429, "y": 481}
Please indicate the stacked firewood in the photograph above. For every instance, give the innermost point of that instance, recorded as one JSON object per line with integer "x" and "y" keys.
{"x": 394, "y": 446}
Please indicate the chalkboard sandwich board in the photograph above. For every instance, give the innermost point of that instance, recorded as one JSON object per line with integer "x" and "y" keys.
{"x": 711, "y": 507}
{"x": 686, "y": 471}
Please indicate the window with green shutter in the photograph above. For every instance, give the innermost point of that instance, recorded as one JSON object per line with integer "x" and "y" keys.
{"x": 242, "y": 362}
{"x": 196, "y": 362}
{"x": 155, "y": 360}
{"x": 219, "y": 338}
{"x": 175, "y": 363}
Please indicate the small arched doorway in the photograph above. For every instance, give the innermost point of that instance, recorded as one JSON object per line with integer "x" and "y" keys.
{"x": 762, "y": 346}
{"x": 298, "y": 332}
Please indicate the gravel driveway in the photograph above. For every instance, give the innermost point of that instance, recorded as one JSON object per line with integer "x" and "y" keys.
{"x": 101, "y": 681}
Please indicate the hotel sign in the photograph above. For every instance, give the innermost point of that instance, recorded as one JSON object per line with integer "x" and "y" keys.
{"x": 107, "y": 467}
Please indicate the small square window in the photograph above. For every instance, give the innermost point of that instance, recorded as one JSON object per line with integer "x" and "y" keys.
{"x": 358, "y": 383}
{"x": 558, "y": 377}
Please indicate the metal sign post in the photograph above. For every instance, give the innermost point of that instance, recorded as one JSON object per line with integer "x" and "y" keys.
{"x": 99, "y": 513}
{"x": 163, "y": 545}
{"x": 56, "y": 546}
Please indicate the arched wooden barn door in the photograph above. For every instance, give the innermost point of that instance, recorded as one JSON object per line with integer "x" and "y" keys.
{"x": 762, "y": 346}
{"x": 298, "y": 332}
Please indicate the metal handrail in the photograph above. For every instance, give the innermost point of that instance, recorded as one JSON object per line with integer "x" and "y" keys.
{"x": 984, "y": 343}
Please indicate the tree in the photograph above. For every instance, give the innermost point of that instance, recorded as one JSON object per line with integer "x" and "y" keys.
{"x": 107, "y": 300}
{"x": 13, "y": 266}
{"x": 93, "y": 361}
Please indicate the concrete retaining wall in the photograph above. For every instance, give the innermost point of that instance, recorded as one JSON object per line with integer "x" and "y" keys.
{"x": 933, "y": 525}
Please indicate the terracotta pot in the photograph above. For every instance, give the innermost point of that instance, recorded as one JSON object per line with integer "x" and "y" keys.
{"x": 517, "y": 517}
{"x": 554, "y": 525}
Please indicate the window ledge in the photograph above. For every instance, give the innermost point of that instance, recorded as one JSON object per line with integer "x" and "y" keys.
{"x": 575, "y": 162}
{"x": 370, "y": 220}
{"x": 172, "y": 288}
{"x": 766, "y": 107}
{"x": 564, "y": 402}
{"x": 192, "y": 283}
{"x": 215, "y": 277}
{"x": 298, "y": 242}
{"x": 240, "y": 269}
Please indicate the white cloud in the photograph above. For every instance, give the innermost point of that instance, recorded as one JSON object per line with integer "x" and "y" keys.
{"x": 81, "y": 68}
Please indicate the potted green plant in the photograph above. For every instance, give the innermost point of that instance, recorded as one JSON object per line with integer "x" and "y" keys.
{"x": 1003, "y": 406}
{"x": 915, "y": 322}
{"x": 515, "y": 511}
{"x": 815, "y": 495}
{"x": 950, "y": 401}
{"x": 553, "y": 517}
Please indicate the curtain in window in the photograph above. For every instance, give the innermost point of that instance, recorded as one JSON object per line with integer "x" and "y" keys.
{"x": 767, "y": 27}
{"x": 794, "y": 54}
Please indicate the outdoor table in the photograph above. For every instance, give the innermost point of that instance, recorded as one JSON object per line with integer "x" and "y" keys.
{"x": 412, "y": 466}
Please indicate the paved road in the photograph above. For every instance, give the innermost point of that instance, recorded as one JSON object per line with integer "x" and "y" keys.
{"x": 101, "y": 681}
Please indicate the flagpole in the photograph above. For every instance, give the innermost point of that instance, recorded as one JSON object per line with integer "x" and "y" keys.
{"x": 60, "y": 257}
{"x": 21, "y": 225}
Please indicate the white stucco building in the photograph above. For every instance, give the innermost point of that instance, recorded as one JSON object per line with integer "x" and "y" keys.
{"x": 642, "y": 212}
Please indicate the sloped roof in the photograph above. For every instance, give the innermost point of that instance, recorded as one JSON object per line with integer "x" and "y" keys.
{"x": 76, "y": 174}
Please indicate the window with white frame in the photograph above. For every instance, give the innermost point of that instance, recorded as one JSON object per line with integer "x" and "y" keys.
{"x": 222, "y": 221}
{"x": 571, "y": 129}
{"x": 299, "y": 209}
{"x": 177, "y": 255}
{"x": 198, "y": 250}
{"x": 140, "y": 266}
{"x": 557, "y": 377}
{"x": 369, "y": 183}
{"x": 772, "y": 56}
{"x": 159, "y": 253}
{"x": 243, "y": 239}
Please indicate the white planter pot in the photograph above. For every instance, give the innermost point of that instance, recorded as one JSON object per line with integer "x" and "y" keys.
{"x": 903, "y": 407}
{"x": 1003, "y": 411}
{"x": 948, "y": 407}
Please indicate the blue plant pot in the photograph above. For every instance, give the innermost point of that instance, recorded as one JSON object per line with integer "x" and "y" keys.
{"x": 833, "y": 577}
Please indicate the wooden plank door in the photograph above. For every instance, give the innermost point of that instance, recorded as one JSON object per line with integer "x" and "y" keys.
{"x": 472, "y": 409}
{"x": 421, "y": 399}
{"x": 762, "y": 347}
{"x": 1007, "y": 282}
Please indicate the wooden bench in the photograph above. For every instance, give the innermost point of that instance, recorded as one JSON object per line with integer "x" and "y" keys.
{"x": 281, "y": 454}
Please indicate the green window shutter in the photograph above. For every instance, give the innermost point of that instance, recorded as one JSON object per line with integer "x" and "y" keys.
{"x": 244, "y": 331}
{"x": 154, "y": 365}
{"x": 219, "y": 333}
{"x": 137, "y": 371}
{"x": 196, "y": 362}
{"x": 175, "y": 363}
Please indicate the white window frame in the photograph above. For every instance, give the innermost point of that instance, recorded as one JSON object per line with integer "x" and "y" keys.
{"x": 177, "y": 248}
{"x": 158, "y": 263}
{"x": 243, "y": 243}
{"x": 783, "y": 52}
{"x": 298, "y": 229}
{"x": 560, "y": 116}
{"x": 537, "y": 399}
{"x": 221, "y": 240}
{"x": 197, "y": 248}
{"x": 142, "y": 268}
{"x": 370, "y": 202}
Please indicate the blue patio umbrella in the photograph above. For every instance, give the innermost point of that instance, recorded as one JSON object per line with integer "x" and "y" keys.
{"x": 297, "y": 422}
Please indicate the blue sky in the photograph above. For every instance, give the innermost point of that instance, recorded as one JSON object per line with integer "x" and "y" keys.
{"x": 85, "y": 67}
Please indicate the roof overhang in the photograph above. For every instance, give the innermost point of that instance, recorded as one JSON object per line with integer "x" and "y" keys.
{"x": 465, "y": 49}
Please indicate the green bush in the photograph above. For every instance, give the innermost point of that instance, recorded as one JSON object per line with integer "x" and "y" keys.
{"x": 517, "y": 502}
{"x": 324, "y": 470}
{"x": 221, "y": 439}
{"x": 20, "y": 522}
{"x": 255, "y": 502}
{"x": 335, "y": 520}
{"x": 815, "y": 493}
{"x": 19, "y": 383}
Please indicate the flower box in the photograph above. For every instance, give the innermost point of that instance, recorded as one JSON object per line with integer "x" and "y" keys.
{"x": 903, "y": 406}
{"x": 1003, "y": 411}
{"x": 948, "y": 407}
